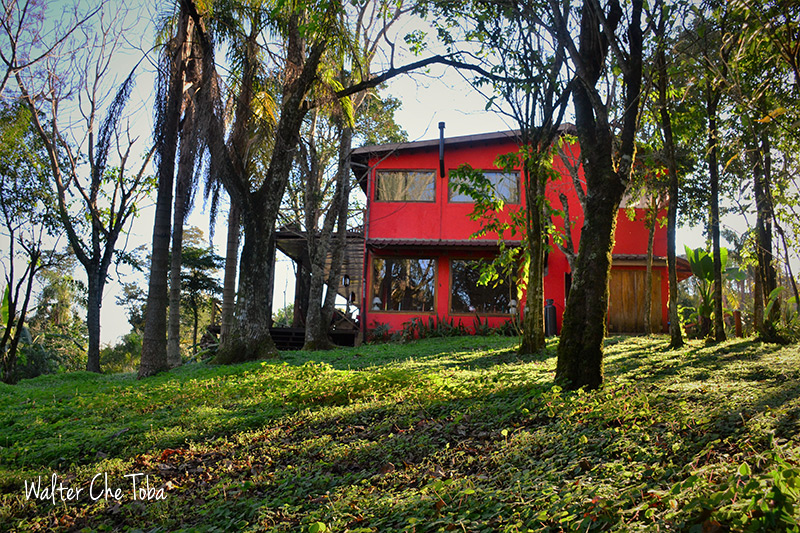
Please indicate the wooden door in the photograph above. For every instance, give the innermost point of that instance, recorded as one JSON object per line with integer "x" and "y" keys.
{"x": 626, "y": 301}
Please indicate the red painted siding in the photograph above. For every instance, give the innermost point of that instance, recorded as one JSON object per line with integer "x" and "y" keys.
{"x": 445, "y": 220}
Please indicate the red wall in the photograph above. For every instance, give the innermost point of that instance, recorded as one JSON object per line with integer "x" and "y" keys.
{"x": 443, "y": 220}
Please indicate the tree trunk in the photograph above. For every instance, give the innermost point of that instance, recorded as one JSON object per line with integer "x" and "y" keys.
{"x": 183, "y": 185}
{"x": 648, "y": 277}
{"x": 231, "y": 264}
{"x": 302, "y": 292}
{"x": 580, "y": 349}
{"x": 533, "y": 339}
{"x": 195, "y": 312}
{"x": 340, "y": 242}
{"x": 94, "y": 300}
{"x": 316, "y": 335}
{"x": 249, "y": 339}
{"x": 154, "y": 339}
{"x": 10, "y": 355}
{"x": 174, "y": 323}
{"x": 320, "y": 313}
{"x": 766, "y": 269}
{"x": 675, "y": 335}
{"x": 719, "y": 325}
{"x": 789, "y": 272}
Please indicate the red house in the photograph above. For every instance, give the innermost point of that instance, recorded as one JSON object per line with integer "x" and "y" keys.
{"x": 421, "y": 261}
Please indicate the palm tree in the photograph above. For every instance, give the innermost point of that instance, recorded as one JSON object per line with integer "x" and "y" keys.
{"x": 172, "y": 75}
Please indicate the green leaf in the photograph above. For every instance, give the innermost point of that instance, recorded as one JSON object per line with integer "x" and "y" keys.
{"x": 744, "y": 469}
{"x": 4, "y": 306}
{"x": 317, "y": 527}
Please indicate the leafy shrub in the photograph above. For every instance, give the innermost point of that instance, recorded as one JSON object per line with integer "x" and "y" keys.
{"x": 35, "y": 359}
{"x": 124, "y": 356}
{"x": 378, "y": 333}
{"x": 47, "y": 353}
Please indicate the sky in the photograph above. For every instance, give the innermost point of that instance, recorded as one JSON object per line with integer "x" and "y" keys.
{"x": 437, "y": 95}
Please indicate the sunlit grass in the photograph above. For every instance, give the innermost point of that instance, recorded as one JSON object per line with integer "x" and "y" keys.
{"x": 442, "y": 434}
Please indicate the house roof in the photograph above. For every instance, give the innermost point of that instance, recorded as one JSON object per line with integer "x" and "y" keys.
{"x": 435, "y": 243}
{"x": 359, "y": 158}
{"x": 292, "y": 242}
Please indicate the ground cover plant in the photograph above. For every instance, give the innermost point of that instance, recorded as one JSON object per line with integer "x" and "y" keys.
{"x": 446, "y": 434}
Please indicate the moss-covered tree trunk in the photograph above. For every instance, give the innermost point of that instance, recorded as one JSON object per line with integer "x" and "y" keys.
{"x": 533, "y": 338}
{"x": 580, "y": 350}
{"x": 607, "y": 171}
{"x": 249, "y": 339}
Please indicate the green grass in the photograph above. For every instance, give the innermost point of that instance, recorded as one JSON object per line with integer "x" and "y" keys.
{"x": 456, "y": 434}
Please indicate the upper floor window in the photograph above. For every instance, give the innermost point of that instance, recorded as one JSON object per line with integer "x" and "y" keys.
{"x": 504, "y": 184}
{"x": 406, "y": 186}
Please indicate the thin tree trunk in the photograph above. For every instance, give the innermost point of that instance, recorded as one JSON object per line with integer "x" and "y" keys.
{"x": 174, "y": 322}
{"x": 568, "y": 248}
{"x": 765, "y": 271}
{"x": 194, "y": 328}
{"x": 789, "y": 272}
{"x": 94, "y": 300}
{"x": 340, "y": 243}
{"x": 719, "y": 325}
{"x": 183, "y": 185}
{"x": 231, "y": 264}
{"x": 648, "y": 277}
{"x": 675, "y": 334}
{"x": 533, "y": 339}
{"x": 319, "y": 314}
{"x": 154, "y": 339}
{"x": 10, "y": 357}
{"x": 302, "y": 291}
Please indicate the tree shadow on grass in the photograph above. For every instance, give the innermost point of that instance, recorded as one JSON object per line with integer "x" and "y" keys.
{"x": 661, "y": 363}
{"x": 467, "y": 353}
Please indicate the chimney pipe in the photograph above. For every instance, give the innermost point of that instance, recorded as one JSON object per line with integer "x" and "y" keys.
{"x": 441, "y": 149}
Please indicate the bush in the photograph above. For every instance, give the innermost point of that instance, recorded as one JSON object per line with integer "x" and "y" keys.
{"x": 124, "y": 356}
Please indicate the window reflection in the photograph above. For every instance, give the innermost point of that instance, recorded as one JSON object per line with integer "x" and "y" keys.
{"x": 403, "y": 284}
{"x": 469, "y": 296}
{"x": 405, "y": 186}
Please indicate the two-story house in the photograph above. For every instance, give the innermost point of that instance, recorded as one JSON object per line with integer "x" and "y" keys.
{"x": 420, "y": 259}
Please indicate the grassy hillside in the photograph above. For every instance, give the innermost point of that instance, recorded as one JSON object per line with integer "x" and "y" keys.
{"x": 437, "y": 435}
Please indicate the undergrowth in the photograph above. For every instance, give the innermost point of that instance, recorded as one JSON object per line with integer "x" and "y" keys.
{"x": 447, "y": 434}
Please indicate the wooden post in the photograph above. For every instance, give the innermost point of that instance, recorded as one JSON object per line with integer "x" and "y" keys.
{"x": 737, "y": 319}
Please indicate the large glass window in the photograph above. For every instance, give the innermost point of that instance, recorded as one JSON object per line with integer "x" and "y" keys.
{"x": 469, "y": 296}
{"x": 406, "y": 186}
{"x": 504, "y": 184}
{"x": 403, "y": 284}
